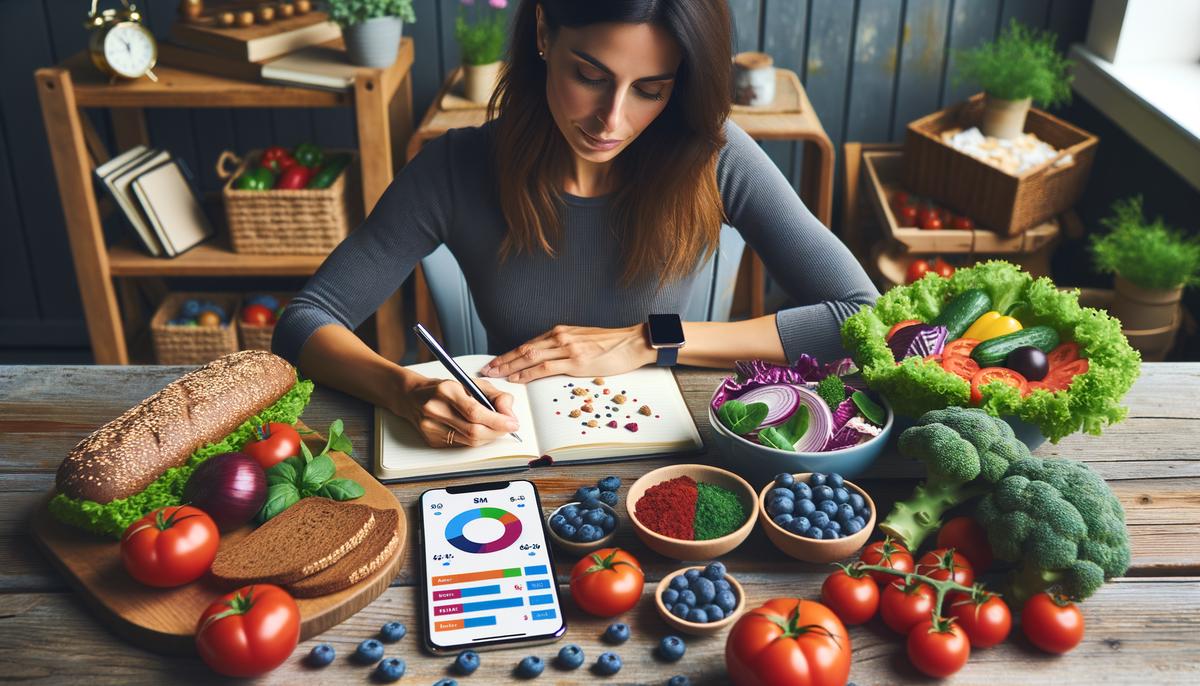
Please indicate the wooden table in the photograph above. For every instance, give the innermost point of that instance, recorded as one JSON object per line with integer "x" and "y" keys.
{"x": 382, "y": 101}
{"x": 1140, "y": 630}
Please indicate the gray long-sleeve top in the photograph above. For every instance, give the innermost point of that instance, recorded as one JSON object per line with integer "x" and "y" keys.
{"x": 445, "y": 195}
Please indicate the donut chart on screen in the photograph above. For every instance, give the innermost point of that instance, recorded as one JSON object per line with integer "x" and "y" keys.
{"x": 458, "y": 539}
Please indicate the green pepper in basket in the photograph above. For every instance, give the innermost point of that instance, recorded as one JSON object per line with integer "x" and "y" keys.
{"x": 308, "y": 154}
{"x": 329, "y": 173}
{"x": 257, "y": 179}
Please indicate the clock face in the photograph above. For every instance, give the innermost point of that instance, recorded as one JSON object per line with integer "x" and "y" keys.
{"x": 129, "y": 49}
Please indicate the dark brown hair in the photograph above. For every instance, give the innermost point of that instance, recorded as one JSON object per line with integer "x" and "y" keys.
{"x": 668, "y": 209}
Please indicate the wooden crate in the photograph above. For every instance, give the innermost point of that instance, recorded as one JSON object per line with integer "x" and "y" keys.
{"x": 995, "y": 199}
{"x": 889, "y": 262}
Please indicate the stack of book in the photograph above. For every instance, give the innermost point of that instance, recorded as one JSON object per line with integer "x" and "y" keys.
{"x": 157, "y": 196}
{"x": 296, "y": 52}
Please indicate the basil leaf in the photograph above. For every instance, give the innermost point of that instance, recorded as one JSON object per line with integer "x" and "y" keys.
{"x": 282, "y": 473}
{"x": 870, "y": 409}
{"x": 741, "y": 418}
{"x": 796, "y": 425}
{"x": 308, "y": 456}
{"x": 342, "y": 489}
{"x": 774, "y": 438}
{"x": 279, "y": 498}
{"x": 317, "y": 472}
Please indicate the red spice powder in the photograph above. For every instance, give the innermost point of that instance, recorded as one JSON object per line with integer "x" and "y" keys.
{"x": 669, "y": 508}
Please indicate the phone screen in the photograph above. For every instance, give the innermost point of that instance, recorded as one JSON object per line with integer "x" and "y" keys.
{"x": 487, "y": 569}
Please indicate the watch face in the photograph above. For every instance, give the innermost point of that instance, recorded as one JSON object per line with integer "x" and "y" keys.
{"x": 129, "y": 49}
{"x": 665, "y": 329}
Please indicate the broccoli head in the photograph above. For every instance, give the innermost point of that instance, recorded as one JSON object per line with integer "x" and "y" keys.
{"x": 965, "y": 451}
{"x": 1060, "y": 523}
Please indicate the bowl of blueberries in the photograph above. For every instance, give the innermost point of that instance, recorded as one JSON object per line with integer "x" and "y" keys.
{"x": 700, "y": 600}
{"x": 589, "y": 522}
{"x": 816, "y": 517}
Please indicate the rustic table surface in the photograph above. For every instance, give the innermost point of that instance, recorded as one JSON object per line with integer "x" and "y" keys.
{"x": 1142, "y": 629}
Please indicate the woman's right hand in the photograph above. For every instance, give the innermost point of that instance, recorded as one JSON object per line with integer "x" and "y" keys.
{"x": 446, "y": 415}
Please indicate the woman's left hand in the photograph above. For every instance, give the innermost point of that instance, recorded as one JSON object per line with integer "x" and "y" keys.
{"x": 575, "y": 351}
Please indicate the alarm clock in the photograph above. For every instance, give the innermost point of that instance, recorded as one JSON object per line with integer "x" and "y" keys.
{"x": 120, "y": 45}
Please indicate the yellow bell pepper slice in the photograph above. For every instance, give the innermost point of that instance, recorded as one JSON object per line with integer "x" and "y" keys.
{"x": 992, "y": 324}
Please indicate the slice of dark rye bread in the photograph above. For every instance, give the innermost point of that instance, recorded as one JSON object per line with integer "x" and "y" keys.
{"x": 360, "y": 563}
{"x": 126, "y": 455}
{"x": 302, "y": 540}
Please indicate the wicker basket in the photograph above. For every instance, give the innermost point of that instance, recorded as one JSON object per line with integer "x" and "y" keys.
{"x": 176, "y": 344}
{"x": 995, "y": 199}
{"x": 255, "y": 336}
{"x": 287, "y": 222}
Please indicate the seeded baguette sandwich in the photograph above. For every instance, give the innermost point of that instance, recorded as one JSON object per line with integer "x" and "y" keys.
{"x": 141, "y": 460}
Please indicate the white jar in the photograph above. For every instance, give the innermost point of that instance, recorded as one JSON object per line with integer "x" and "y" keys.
{"x": 753, "y": 79}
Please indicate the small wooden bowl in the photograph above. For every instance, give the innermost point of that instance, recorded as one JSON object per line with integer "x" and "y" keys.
{"x": 679, "y": 549}
{"x": 576, "y": 547}
{"x": 812, "y": 549}
{"x": 695, "y": 628}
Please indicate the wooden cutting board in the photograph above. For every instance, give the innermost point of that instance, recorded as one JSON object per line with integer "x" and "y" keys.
{"x": 164, "y": 620}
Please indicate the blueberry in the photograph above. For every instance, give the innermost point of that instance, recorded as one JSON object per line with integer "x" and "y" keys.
{"x": 691, "y": 574}
{"x": 608, "y": 664}
{"x": 822, "y": 493}
{"x": 864, "y": 512}
{"x": 714, "y": 572}
{"x": 595, "y": 517}
{"x": 805, "y": 507}
{"x": 830, "y": 533}
{"x": 802, "y": 490}
{"x": 782, "y": 520}
{"x": 819, "y": 519}
{"x": 834, "y": 479}
{"x": 679, "y": 680}
{"x": 576, "y": 521}
{"x": 817, "y": 479}
{"x": 588, "y": 533}
{"x": 190, "y": 309}
{"x": 679, "y": 583}
{"x": 392, "y": 632}
{"x": 704, "y": 590}
{"x": 814, "y": 533}
{"x": 569, "y": 511}
{"x": 714, "y": 612}
{"x": 844, "y": 513}
{"x": 446, "y": 682}
{"x": 688, "y": 597}
{"x": 670, "y": 597}
{"x": 570, "y": 656}
{"x": 608, "y": 498}
{"x": 389, "y": 670}
{"x": 616, "y": 633}
{"x": 726, "y": 600}
{"x": 834, "y": 526}
{"x": 321, "y": 655}
{"x": 530, "y": 667}
{"x": 466, "y": 662}
{"x": 722, "y": 585}
{"x": 368, "y": 651}
{"x": 587, "y": 494}
{"x": 859, "y": 521}
{"x": 680, "y": 610}
{"x": 778, "y": 506}
{"x": 784, "y": 480}
{"x": 780, "y": 493}
{"x": 671, "y": 648}
{"x": 697, "y": 616}
{"x": 799, "y": 526}
{"x": 609, "y": 483}
{"x": 568, "y": 531}
{"x": 853, "y": 527}
{"x": 829, "y": 507}
{"x": 610, "y": 523}
{"x": 841, "y": 495}
{"x": 557, "y": 522}
{"x": 857, "y": 501}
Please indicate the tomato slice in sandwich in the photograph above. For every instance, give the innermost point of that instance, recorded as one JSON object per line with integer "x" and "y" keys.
{"x": 987, "y": 375}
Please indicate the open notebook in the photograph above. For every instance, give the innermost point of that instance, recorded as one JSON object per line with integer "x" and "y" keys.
{"x": 638, "y": 414}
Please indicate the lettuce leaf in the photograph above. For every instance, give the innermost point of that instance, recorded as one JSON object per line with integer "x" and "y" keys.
{"x": 915, "y": 387}
{"x": 113, "y": 518}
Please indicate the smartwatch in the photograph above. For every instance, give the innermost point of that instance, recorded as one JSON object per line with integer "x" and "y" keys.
{"x": 666, "y": 336}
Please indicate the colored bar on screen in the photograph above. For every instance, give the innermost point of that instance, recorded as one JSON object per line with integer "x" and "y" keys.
{"x": 540, "y": 600}
{"x": 535, "y": 570}
{"x": 471, "y": 622}
{"x": 477, "y": 576}
{"x": 448, "y": 625}
{"x": 543, "y": 614}
{"x": 538, "y": 585}
{"x": 497, "y": 604}
{"x": 479, "y": 590}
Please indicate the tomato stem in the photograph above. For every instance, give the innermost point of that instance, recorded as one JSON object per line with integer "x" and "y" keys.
{"x": 941, "y": 586}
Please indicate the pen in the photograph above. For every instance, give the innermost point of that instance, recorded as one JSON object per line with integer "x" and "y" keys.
{"x": 455, "y": 370}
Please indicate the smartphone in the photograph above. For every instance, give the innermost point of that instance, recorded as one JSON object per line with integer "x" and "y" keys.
{"x": 487, "y": 572}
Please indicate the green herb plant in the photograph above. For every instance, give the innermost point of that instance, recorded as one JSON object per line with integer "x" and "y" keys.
{"x": 352, "y": 12}
{"x": 1148, "y": 254}
{"x": 305, "y": 475}
{"x": 481, "y": 41}
{"x": 1021, "y": 63}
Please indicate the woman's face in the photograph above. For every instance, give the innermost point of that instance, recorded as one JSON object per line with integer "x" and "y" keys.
{"x": 606, "y": 82}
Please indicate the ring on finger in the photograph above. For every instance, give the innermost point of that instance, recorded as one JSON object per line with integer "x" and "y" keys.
{"x": 450, "y": 437}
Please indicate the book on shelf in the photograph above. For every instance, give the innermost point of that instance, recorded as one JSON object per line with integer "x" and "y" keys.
{"x": 156, "y": 194}
{"x": 639, "y": 414}
{"x": 318, "y": 66}
{"x": 258, "y": 42}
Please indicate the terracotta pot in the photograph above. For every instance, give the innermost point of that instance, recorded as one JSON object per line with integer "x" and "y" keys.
{"x": 1004, "y": 118}
{"x": 1144, "y": 308}
{"x": 479, "y": 80}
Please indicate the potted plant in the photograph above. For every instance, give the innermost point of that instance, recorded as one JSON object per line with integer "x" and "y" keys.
{"x": 482, "y": 44}
{"x": 372, "y": 28}
{"x": 1152, "y": 263}
{"x": 1020, "y": 66}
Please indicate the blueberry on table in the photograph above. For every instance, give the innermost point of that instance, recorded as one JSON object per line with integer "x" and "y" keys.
{"x": 817, "y": 479}
{"x": 466, "y": 662}
{"x": 714, "y": 571}
{"x": 679, "y": 680}
{"x": 608, "y": 664}
{"x": 530, "y": 667}
{"x": 725, "y": 600}
{"x": 821, "y": 494}
{"x": 616, "y": 633}
{"x": 834, "y": 479}
{"x": 679, "y": 583}
{"x": 321, "y": 655}
{"x": 368, "y": 651}
{"x": 691, "y": 574}
{"x": 704, "y": 590}
{"x": 609, "y": 483}
{"x": 446, "y": 682}
{"x": 670, "y": 597}
{"x": 803, "y": 491}
{"x": 586, "y": 494}
{"x": 570, "y": 656}
{"x": 805, "y": 507}
{"x": 390, "y": 669}
{"x": 671, "y": 648}
{"x": 784, "y": 480}
{"x": 697, "y": 616}
{"x": 392, "y": 632}
{"x": 608, "y": 498}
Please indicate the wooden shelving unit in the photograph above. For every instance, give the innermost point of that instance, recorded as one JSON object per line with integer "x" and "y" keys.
{"x": 381, "y": 98}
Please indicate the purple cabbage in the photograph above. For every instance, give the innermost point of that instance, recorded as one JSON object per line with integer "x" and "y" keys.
{"x": 919, "y": 340}
{"x": 755, "y": 373}
{"x": 856, "y": 430}
{"x": 844, "y": 413}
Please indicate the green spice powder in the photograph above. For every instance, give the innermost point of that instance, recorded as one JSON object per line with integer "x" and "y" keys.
{"x": 718, "y": 512}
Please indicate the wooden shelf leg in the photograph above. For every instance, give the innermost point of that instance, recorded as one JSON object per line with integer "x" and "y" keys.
{"x": 73, "y": 171}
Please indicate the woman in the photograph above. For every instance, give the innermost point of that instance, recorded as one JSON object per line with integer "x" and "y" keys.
{"x": 589, "y": 203}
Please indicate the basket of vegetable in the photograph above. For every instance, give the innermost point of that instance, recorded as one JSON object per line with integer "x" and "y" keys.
{"x": 993, "y": 337}
{"x": 260, "y": 311}
{"x": 194, "y": 328}
{"x": 288, "y": 203}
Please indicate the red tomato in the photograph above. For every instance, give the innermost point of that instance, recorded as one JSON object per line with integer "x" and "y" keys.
{"x": 1064, "y": 374}
{"x": 854, "y": 599}
{"x": 960, "y": 346}
{"x": 887, "y": 553}
{"x": 916, "y": 270}
{"x": 945, "y": 563}
{"x": 257, "y": 315}
{"x": 961, "y": 223}
{"x": 788, "y": 642}
{"x": 989, "y": 374}
{"x": 903, "y": 606}
{"x": 275, "y": 443}
{"x": 985, "y": 618}
{"x": 1064, "y": 353}
{"x": 249, "y": 632}
{"x": 1054, "y": 625}
{"x": 900, "y": 325}
{"x": 607, "y": 582}
{"x": 938, "y": 651}
{"x": 906, "y": 215}
{"x": 960, "y": 364}
{"x": 925, "y": 213}
{"x": 943, "y": 268}
{"x": 170, "y": 546}
{"x": 929, "y": 221}
{"x": 966, "y": 536}
{"x": 900, "y": 198}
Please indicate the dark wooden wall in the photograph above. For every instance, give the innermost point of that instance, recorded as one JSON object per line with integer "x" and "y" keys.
{"x": 869, "y": 67}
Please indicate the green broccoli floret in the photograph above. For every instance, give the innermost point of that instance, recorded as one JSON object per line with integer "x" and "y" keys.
{"x": 965, "y": 451}
{"x": 1060, "y": 523}
{"x": 832, "y": 390}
